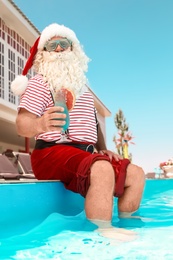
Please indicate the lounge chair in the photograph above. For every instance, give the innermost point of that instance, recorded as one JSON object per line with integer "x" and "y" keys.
{"x": 150, "y": 175}
{"x": 7, "y": 169}
{"x": 24, "y": 163}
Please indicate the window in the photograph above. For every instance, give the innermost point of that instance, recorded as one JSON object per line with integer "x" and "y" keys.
{"x": 2, "y": 87}
{"x": 11, "y": 74}
{"x": 14, "y": 51}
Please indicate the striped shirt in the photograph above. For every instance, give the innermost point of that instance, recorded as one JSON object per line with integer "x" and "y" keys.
{"x": 37, "y": 99}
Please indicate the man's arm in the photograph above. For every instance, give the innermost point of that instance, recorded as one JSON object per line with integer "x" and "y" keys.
{"x": 100, "y": 145}
{"x": 29, "y": 125}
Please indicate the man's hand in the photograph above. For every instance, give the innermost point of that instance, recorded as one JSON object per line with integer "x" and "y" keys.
{"x": 29, "y": 124}
{"x": 52, "y": 120}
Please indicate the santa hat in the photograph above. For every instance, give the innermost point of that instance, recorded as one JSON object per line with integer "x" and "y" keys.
{"x": 19, "y": 84}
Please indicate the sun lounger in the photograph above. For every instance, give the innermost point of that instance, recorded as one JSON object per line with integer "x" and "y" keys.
{"x": 150, "y": 175}
{"x": 7, "y": 169}
{"x": 24, "y": 163}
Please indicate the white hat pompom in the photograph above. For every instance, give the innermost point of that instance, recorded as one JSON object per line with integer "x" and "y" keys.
{"x": 19, "y": 85}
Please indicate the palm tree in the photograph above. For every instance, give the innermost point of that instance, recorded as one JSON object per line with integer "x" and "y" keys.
{"x": 125, "y": 137}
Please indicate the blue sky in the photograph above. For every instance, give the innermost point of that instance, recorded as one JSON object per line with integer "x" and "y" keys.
{"x": 130, "y": 43}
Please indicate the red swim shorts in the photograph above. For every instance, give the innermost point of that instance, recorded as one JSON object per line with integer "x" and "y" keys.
{"x": 72, "y": 166}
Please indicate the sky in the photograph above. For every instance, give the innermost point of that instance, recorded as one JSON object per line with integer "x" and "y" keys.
{"x": 130, "y": 44}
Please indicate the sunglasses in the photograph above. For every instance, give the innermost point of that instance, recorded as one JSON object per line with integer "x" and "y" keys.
{"x": 64, "y": 43}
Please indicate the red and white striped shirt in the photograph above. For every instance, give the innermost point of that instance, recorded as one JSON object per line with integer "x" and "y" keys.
{"x": 83, "y": 128}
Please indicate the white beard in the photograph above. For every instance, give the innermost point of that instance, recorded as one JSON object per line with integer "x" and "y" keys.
{"x": 63, "y": 69}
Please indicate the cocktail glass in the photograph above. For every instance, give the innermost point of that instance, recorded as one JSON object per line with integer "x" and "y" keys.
{"x": 60, "y": 100}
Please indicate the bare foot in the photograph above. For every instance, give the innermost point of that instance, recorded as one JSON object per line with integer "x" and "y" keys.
{"x": 119, "y": 234}
{"x": 129, "y": 215}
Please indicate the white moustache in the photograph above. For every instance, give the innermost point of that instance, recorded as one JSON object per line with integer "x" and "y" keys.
{"x": 53, "y": 56}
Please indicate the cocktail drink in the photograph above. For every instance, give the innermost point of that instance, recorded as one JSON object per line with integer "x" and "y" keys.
{"x": 61, "y": 99}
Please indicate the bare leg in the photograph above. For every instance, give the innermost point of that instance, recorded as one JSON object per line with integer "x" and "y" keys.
{"x": 134, "y": 185}
{"x": 99, "y": 198}
{"x": 99, "y": 201}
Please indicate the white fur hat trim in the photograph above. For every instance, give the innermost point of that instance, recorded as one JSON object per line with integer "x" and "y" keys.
{"x": 19, "y": 85}
{"x": 56, "y": 30}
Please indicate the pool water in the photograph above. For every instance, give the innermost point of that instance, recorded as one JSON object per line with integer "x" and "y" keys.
{"x": 73, "y": 237}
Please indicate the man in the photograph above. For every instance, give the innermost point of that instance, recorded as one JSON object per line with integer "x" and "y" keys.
{"x": 60, "y": 62}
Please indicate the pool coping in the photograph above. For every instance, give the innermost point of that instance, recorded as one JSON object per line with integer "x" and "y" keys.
{"x": 29, "y": 180}
{"x": 3, "y": 181}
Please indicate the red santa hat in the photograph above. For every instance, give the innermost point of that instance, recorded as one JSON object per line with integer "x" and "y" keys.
{"x": 19, "y": 84}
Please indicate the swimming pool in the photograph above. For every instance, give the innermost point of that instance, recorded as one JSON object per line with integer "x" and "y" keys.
{"x": 37, "y": 223}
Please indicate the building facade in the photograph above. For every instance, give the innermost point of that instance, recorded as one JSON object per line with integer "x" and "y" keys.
{"x": 17, "y": 35}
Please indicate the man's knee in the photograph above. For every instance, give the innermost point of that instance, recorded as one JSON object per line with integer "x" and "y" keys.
{"x": 102, "y": 166}
{"x": 134, "y": 174}
{"x": 103, "y": 172}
